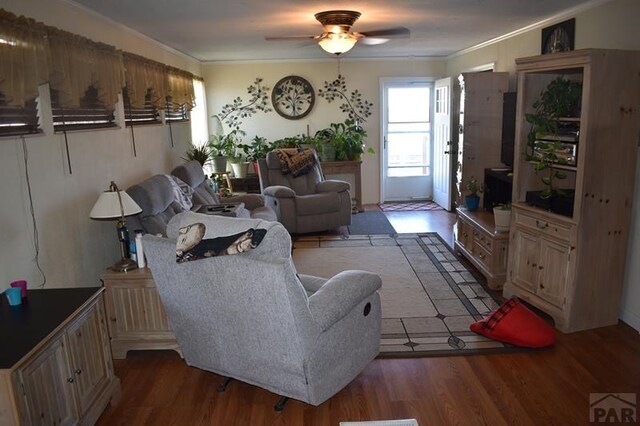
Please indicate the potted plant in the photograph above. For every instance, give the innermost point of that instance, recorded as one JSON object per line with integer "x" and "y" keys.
{"x": 202, "y": 154}
{"x": 472, "y": 199}
{"x": 560, "y": 99}
{"x": 257, "y": 150}
{"x": 220, "y": 149}
{"x": 342, "y": 141}
{"x": 502, "y": 216}
{"x": 238, "y": 153}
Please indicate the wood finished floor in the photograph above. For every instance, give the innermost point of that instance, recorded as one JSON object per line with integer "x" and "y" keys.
{"x": 525, "y": 388}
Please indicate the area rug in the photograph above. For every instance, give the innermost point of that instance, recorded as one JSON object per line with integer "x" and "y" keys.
{"x": 370, "y": 223}
{"x": 429, "y": 298}
{"x": 409, "y": 206}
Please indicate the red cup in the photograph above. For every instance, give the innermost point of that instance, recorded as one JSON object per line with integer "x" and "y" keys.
{"x": 22, "y": 284}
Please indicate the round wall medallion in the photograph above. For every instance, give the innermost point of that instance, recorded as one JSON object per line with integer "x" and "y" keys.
{"x": 293, "y": 97}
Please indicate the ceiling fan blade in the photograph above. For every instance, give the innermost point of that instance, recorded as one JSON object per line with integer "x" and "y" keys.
{"x": 397, "y": 32}
{"x": 372, "y": 41}
{"x": 307, "y": 37}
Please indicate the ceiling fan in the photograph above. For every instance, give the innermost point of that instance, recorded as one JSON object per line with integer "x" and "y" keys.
{"x": 337, "y": 36}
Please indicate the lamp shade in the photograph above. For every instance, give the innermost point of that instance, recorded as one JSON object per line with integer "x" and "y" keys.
{"x": 337, "y": 43}
{"x": 108, "y": 206}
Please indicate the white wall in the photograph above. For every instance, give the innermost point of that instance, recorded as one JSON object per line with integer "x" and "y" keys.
{"x": 612, "y": 25}
{"x": 74, "y": 249}
{"x": 224, "y": 82}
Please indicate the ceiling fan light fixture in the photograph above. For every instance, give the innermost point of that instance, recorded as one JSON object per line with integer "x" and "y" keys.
{"x": 337, "y": 43}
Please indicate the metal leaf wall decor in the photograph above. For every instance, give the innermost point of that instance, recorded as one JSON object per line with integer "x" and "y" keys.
{"x": 354, "y": 105}
{"x": 234, "y": 113}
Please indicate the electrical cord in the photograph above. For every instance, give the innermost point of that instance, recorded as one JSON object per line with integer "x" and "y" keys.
{"x": 36, "y": 240}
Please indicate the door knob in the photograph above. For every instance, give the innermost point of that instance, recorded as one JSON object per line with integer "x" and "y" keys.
{"x": 446, "y": 152}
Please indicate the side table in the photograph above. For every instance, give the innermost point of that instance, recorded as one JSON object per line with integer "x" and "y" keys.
{"x": 136, "y": 316}
{"x": 347, "y": 167}
{"x": 227, "y": 178}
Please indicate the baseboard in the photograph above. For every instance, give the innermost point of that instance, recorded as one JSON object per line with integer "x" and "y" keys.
{"x": 631, "y": 319}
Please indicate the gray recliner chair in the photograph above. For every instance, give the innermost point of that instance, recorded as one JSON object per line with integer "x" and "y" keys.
{"x": 306, "y": 203}
{"x": 191, "y": 173}
{"x": 156, "y": 198}
{"x": 250, "y": 317}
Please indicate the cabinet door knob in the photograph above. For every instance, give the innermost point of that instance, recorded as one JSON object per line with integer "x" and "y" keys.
{"x": 78, "y": 371}
{"x": 70, "y": 380}
{"x": 541, "y": 225}
{"x": 541, "y": 286}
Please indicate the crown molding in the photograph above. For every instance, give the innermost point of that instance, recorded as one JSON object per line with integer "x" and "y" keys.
{"x": 132, "y": 32}
{"x": 569, "y": 13}
{"x": 319, "y": 60}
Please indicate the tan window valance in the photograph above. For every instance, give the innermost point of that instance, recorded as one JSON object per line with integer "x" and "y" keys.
{"x": 142, "y": 74}
{"x": 181, "y": 88}
{"x": 24, "y": 63}
{"x": 32, "y": 53}
{"x": 77, "y": 63}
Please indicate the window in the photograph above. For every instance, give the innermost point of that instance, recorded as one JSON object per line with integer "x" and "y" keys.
{"x": 199, "y": 122}
{"x": 91, "y": 114}
{"x": 18, "y": 120}
{"x": 175, "y": 113}
{"x": 135, "y": 116}
{"x": 408, "y": 131}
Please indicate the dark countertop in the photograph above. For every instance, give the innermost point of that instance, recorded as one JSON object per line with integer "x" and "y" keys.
{"x": 22, "y": 327}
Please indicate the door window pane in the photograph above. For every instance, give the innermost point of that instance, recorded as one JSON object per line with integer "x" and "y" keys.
{"x": 408, "y": 131}
{"x": 408, "y": 104}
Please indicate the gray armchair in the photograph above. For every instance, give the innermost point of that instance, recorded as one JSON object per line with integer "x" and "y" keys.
{"x": 306, "y": 203}
{"x": 156, "y": 198}
{"x": 249, "y": 316}
{"x": 191, "y": 173}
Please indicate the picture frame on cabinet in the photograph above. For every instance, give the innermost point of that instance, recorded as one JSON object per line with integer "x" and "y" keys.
{"x": 560, "y": 37}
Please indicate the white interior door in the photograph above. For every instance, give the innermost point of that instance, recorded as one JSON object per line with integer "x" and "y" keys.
{"x": 442, "y": 143}
{"x": 407, "y": 146}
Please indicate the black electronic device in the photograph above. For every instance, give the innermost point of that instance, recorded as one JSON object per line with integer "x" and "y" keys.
{"x": 498, "y": 184}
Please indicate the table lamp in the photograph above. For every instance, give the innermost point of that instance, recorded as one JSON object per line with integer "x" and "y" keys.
{"x": 116, "y": 204}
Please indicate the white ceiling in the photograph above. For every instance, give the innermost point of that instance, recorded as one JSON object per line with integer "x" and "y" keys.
{"x": 215, "y": 30}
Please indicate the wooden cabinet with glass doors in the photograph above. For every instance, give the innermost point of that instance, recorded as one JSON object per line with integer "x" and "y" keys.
{"x": 573, "y": 187}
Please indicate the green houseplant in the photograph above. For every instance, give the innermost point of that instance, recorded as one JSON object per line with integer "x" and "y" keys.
{"x": 257, "y": 150}
{"x": 202, "y": 154}
{"x": 472, "y": 199}
{"x": 342, "y": 141}
{"x": 560, "y": 99}
{"x": 238, "y": 152}
{"x": 220, "y": 149}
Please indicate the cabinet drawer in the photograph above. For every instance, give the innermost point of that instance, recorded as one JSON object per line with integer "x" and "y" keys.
{"x": 481, "y": 254}
{"x": 485, "y": 241}
{"x": 464, "y": 233}
{"x": 544, "y": 226}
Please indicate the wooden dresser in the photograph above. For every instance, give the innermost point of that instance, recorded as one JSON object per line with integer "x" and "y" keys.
{"x": 55, "y": 365}
{"x": 136, "y": 316}
{"x": 477, "y": 239}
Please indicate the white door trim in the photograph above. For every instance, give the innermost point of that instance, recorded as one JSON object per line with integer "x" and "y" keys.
{"x": 383, "y": 112}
